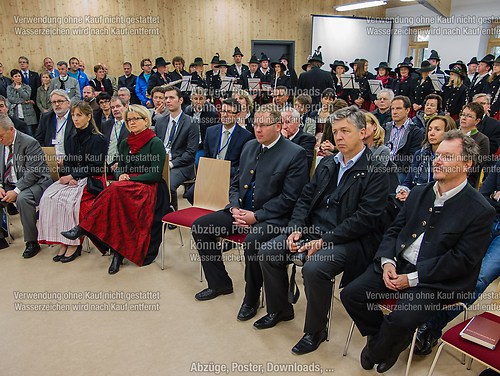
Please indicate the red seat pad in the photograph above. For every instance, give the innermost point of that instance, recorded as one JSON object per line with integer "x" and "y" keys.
{"x": 186, "y": 217}
{"x": 490, "y": 357}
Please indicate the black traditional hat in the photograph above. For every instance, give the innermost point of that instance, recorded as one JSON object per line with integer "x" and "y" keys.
{"x": 434, "y": 55}
{"x": 426, "y": 66}
{"x": 237, "y": 51}
{"x": 283, "y": 67}
{"x": 263, "y": 57}
{"x": 407, "y": 63}
{"x": 339, "y": 63}
{"x": 354, "y": 63}
{"x": 253, "y": 60}
{"x": 458, "y": 70}
{"x": 160, "y": 62}
{"x": 473, "y": 61}
{"x": 222, "y": 63}
{"x": 459, "y": 63}
{"x": 215, "y": 59}
{"x": 488, "y": 59}
{"x": 317, "y": 56}
{"x": 198, "y": 61}
{"x": 383, "y": 65}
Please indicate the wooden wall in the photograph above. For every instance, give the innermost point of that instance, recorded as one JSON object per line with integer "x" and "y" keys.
{"x": 189, "y": 28}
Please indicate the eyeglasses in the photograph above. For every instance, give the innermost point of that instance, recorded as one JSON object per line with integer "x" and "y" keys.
{"x": 462, "y": 115}
{"x": 264, "y": 125}
{"x": 147, "y": 65}
{"x": 228, "y": 112}
{"x": 60, "y": 101}
{"x": 104, "y": 102}
{"x": 134, "y": 119}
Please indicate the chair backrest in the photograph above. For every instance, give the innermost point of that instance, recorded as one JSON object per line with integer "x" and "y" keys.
{"x": 166, "y": 176}
{"x": 211, "y": 190}
{"x": 313, "y": 166}
{"x": 51, "y": 160}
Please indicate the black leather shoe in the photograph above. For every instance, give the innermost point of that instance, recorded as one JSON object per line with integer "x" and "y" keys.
{"x": 74, "y": 233}
{"x": 32, "y": 249}
{"x": 271, "y": 319}
{"x": 365, "y": 360}
{"x": 115, "y": 263}
{"x": 209, "y": 294}
{"x": 309, "y": 342}
{"x": 11, "y": 209}
{"x": 64, "y": 259}
{"x": 57, "y": 258}
{"x": 384, "y": 367}
{"x": 3, "y": 243}
{"x": 425, "y": 348}
{"x": 171, "y": 227}
{"x": 246, "y": 312}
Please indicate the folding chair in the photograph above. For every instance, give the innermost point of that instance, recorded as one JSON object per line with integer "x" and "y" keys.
{"x": 387, "y": 306}
{"x": 51, "y": 160}
{"x": 211, "y": 193}
{"x": 490, "y": 358}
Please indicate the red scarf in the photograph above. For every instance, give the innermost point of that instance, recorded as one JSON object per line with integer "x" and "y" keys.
{"x": 384, "y": 79}
{"x": 403, "y": 79}
{"x": 137, "y": 141}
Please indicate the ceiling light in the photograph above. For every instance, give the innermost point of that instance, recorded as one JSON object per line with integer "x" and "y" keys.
{"x": 363, "y": 5}
{"x": 406, "y": 1}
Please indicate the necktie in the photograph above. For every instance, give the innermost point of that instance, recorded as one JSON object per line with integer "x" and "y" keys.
{"x": 113, "y": 142}
{"x": 172, "y": 134}
{"x": 63, "y": 87}
{"x": 8, "y": 167}
{"x": 223, "y": 145}
{"x": 26, "y": 78}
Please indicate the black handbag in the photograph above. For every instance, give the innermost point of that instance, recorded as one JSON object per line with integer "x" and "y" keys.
{"x": 94, "y": 186}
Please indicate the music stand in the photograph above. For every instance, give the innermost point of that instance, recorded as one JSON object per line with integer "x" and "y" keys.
{"x": 349, "y": 81}
{"x": 253, "y": 84}
{"x": 438, "y": 81}
{"x": 186, "y": 84}
{"x": 375, "y": 86}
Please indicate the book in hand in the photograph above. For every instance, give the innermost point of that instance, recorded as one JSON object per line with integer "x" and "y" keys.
{"x": 482, "y": 331}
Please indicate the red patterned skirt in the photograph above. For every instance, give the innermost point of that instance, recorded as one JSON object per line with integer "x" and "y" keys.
{"x": 121, "y": 217}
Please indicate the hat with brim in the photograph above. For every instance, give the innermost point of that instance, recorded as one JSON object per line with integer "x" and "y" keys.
{"x": 473, "y": 61}
{"x": 339, "y": 63}
{"x": 460, "y": 63}
{"x": 222, "y": 63}
{"x": 253, "y": 60}
{"x": 237, "y": 51}
{"x": 458, "y": 70}
{"x": 317, "y": 56}
{"x": 198, "y": 61}
{"x": 160, "y": 62}
{"x": 497, "y": 60}
{"x": 284, "y": 57}
{"x": 304, "y": 67}
{"x": 405, "y": 64}
{"x": 426, "y": 67}
{"x": 215, "y": 59}
{"x": 434, "y": 55}
{"x": 488, "y": 59}
{"x": 263, "y": 57}
{"x": 355, "y": 62}
{"x": 383, "y": 65}
{"x": 282, "y": 66}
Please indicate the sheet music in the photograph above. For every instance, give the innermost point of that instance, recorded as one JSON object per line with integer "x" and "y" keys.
{"x": 266, "y": 87}
{"x": 186, "y": 83}
{"x": 227, "y": 83}
{"x": 375, "y": 86}
{"x": 253, "y": 84}
{"x": 348, "y": 81}
{"x": 438, "y": 81}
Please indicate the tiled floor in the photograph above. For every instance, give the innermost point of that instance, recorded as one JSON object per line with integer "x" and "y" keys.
{"x": 164, "y": 331}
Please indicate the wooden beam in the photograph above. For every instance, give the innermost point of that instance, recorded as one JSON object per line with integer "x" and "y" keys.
{"x": 441, "y": 7}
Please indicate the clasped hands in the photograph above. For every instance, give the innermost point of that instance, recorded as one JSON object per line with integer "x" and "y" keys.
{"x": 311, "y": 247}
{"x": 9, "y": 196}
{"x": 68, "y": 179}
{"x": 394, "y": 281}
{"x": 243, "y": 218}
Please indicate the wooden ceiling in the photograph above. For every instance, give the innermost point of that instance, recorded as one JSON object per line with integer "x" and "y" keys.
{"x": 442, "y": 7}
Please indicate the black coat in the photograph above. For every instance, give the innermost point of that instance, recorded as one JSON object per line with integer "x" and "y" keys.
{"x": 406, "y": 88}
{"x": 34, "y": 83}
{"x": 85, "y": 154}
{"x": 314, "y": 82}
{"x": 129, "y": 83}
{"x": 455, "y": 241}
{"x": 306, "y": 141}
{"x": 157, "y": 79}
{"x": 493, "y": 89}
{"x": 97, "y": 85}
{"x": 454, "y": 99}
{"x": 46, "y": 130}
{"x": 107, "y": 127}
{"x": 4, "y": 82}
{"x": 411, "y": 141}
{"x": 282, "y": 81}
{"x": 233, "y": 72}
{"x": 246, "y": 75}
{"x": 422, "y": 90}
{"x": 267, "y": 77}
{"x": 478, "y": 86}
{"x": 363, "y": 91}
{"x": 280, "y": 174}
{"x": 198, "y": 80}
{"x": 491, "y": 128}
{"x": 361, "y": 202}
{"x": 208, "y": 117}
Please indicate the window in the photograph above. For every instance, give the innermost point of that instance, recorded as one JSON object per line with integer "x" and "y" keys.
{"x": 494, "y": 42}
{"x": 419, "y": 42}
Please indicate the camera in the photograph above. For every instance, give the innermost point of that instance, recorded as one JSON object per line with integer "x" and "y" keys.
{"x": 300, "y": 258}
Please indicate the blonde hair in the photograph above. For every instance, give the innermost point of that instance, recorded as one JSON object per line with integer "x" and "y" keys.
{"x": 248, "y": 99}
{"x": 142, "y": 111}
{"x": 379, "y": 134}
{"x": 457, "y": 80}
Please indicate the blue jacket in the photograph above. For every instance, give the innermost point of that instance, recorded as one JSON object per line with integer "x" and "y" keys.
{"x": 141, "y": 86}
{"x": 82, "y": 78}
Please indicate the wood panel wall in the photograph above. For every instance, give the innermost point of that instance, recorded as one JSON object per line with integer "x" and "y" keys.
{"x": 189, "y": 28}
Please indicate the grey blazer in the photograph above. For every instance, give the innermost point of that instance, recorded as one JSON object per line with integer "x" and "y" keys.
{"x": 71, "y": 86}
{"x": 17, "y": 97}
{"x": 184, "y": 144}
{"x": 29, "y": 165}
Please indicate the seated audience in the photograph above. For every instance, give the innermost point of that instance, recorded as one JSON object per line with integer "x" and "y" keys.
{"x": 290, "y": 118}
{"x": 433, "y": 105}
{"x": 383, "y": 104}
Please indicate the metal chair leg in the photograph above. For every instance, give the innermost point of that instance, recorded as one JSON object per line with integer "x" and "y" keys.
{"x": 434, "y": 362}
{"x": 469, "y": 365}
{"x": 87, "y": 245}
{"x": 410, "y": 355}
{"x": 162, "y": 249}
{"x": 348, "y": 340}
{"x": 329, "y": 322}
{"x": 201, "y": 273}
{"x": 466, "y": 314}
{"x": 180, "y": 235}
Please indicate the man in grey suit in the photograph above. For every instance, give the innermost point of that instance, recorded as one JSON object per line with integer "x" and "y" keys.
{"x": 24, "y": 176}
{"x": 181, "y": 138}
{"x": 69, "y": 84}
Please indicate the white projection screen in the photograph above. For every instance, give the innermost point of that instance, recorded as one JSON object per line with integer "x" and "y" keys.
{"x": 347, "y": 38}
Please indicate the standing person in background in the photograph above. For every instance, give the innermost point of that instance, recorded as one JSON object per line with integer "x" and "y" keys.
{"x": 100, "y": 83}
{"x": 128, "y": 80}
{"x": 18, "y": 94}
{"x": 75, "y": 72}
{"x": 141, "y": 84}
{"x": 43, "y": 93}
{"x": 423, "y": 87}
{"x": 455, "y": 93}
{"x": 493, "y": 89}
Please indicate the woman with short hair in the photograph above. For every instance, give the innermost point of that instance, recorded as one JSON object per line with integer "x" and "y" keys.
{"x": 18, "y": 94}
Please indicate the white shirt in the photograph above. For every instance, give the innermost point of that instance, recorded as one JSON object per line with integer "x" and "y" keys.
{"x": 295, "y": 134}
{"x": 61, "y": 124}
{"x": 113, "y": 141}
{"x": 167, "y": 136}
{"x": 339, "y": 158}
{"x": 13, "y": 177}
{"x": 411, "y": 253}
{"x": 272, "y": 143}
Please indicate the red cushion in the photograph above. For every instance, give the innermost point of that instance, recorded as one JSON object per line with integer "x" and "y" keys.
{"x": 236, "y": 238}
{"x": 388, "y": 304}
{"x": 490, "y": 357}
{"x": 185, "y": 217}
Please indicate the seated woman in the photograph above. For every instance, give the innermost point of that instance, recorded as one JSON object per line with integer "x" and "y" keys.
{"x": 421, "y": 168}
{"x": 245, "y": 117}
{"x": 68, "y": 199}
{"x": 126, "y": 216}
{"x": 374, "y": 139}
{"x": 327, "y": 145}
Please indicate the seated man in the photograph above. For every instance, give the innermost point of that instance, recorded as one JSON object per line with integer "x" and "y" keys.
{"x": 333, "y": 222}
{"x": 383, "y": 104}
{"x": 291, "y": 130}
{"x": 226, "y": 140}
{"x": 24, "y": 176}
{"x": 429, "y": 257}
{"x": 180, "y": 137}
{"x": 429, "y": 333}
{"x": 115, "y": 131}
{"x": 272, "y": 173}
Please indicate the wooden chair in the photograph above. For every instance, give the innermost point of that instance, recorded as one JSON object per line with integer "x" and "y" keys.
{"x": 211, "y": 193}
{"x": 452, "y": 338}
{"x": 387, "y": 306}
{"x": 51, "y": 160}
